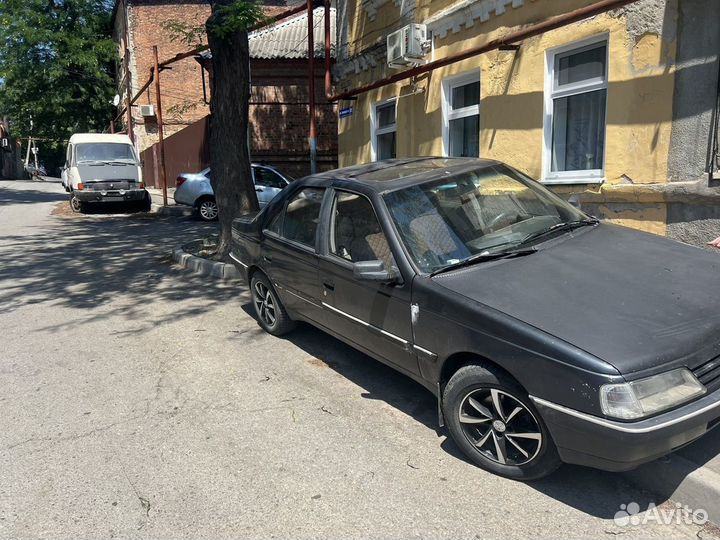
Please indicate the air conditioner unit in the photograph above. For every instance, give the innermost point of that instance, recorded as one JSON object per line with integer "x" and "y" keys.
{"x": 148, "y": 111}
{"x": 408, "y": 46}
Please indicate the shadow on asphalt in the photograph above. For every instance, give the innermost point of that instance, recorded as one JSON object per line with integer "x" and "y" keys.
{"x": 594, "y": 492}
{"x": 85, "y": 262}
{"x": 30, "y": 196}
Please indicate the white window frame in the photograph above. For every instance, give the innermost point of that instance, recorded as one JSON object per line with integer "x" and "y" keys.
{"x": 590, "y": 176}
{"x": 449, "y": 114}
{"x": 375, "y": 130}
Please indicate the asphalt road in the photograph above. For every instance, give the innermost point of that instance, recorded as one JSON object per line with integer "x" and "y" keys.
{"x": 137, "y": 400}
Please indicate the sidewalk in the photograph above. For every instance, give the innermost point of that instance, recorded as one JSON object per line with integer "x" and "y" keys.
{"x": 171, "y": 209}
{"x": 690, "y": 476}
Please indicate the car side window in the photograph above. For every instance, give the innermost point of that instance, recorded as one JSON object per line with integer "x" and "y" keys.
{"x": 302, "y": 215}
{"x": 355, "y": 233}
{"x": 275, "y": 223}
{"x": 268, "y": 178}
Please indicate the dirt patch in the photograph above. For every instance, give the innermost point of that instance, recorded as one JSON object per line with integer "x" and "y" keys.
{"x": 205, "y": 247}
{"x": 62, "y": 209}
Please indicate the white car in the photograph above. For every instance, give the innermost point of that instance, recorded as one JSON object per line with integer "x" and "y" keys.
{"x": 102, "y": 168}
{"x": 194, "y": 189}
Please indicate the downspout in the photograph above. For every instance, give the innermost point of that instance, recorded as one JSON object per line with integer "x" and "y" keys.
{"x": 508, "y": 39}
{"x": 312, "y": 135}
{"x": 328, "y": 75}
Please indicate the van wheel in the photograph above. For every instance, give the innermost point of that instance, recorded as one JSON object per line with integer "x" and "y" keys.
{"x": 76, "y": 204}
{"x": 492, "y": 420}
{"x": 146, "y": 204}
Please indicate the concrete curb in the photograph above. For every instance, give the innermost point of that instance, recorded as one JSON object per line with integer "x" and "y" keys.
{"x": 173, "y": 210}
{"x": 205, "y": 267}
{"x": 683, "y": 481}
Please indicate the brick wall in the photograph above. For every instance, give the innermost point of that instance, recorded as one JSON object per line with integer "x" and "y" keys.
{"x": 181, "y": 86}
{"x": 279, "y": 120}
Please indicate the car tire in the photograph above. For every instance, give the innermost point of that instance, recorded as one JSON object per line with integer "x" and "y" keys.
{"x": 76, "y": 205}
{"x": 207, "y": 209}
{"x": 492, "y": 420}
{"x": 270, "y": 311}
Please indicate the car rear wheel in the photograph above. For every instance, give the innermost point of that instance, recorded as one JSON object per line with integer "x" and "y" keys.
{"x": 492, "y": 420}
{"x": 269, "y": 309}
{"x": 208, "y": 209}
{"x": 76, "y": 205}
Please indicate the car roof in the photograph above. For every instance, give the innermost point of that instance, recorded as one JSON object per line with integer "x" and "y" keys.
{"x": 392, "y": 174}
{"x": 79, "y": 138}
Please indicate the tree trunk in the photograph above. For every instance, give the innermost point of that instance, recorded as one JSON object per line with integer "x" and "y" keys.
{"x": 231, "y": 176}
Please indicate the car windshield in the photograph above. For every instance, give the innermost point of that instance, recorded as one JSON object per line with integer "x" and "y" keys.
{"x": 481, "y": 211}
{"x": 104, "y": 152}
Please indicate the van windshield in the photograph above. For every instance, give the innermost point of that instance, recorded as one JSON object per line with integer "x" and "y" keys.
{"x": 104, "y": 153}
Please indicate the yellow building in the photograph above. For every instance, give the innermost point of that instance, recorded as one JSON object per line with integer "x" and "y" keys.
{"x": 616, "y": 111}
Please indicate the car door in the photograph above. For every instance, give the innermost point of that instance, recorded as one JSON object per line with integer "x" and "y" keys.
{"x": 289, "y": 255}
{"x": 267, "y": 184}
{"x": 374, "y": 316}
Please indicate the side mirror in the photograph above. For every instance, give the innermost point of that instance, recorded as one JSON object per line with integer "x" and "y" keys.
{"x": 374, "y": 271}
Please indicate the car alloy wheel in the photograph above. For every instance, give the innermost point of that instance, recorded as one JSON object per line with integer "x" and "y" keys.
{"x": 264, "y": 304}
{"x": 208, "y": 210}
{"x": 500, "y": 426}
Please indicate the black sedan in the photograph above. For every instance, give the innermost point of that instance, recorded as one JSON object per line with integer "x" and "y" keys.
{"x": 546, "y": 336}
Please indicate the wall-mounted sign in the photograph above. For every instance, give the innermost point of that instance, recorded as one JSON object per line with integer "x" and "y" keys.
{"x": 347, "y": 111}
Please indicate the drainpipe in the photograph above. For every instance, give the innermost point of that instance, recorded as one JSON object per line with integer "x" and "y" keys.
{"x": 312, "y": 135}
{"x": 328, "y": 76}
{"x": 530, "y": 31}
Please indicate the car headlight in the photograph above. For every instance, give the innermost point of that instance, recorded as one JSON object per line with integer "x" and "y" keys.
{"x": 644, "y": 397}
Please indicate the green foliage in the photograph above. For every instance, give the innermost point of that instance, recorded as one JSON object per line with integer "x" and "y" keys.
{"x": 56, "y": 66}
{"x": 235, "y": 16}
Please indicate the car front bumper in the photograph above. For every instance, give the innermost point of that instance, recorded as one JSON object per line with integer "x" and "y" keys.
{"x": 605, "y": 444}
{"x": 92, "y": 196}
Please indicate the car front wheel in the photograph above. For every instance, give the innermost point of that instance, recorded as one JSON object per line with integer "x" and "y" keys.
{"x": 269, "y": 309}
{"x": 492, "y": 420}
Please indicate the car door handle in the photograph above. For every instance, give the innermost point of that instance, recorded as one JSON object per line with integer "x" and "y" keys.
{"x": 329, "y": 285}
{"x": 259, "y": 189}
{"x": 267, "y": 259}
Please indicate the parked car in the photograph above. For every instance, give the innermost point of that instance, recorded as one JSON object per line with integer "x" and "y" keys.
{"x": 194, "y": 189}
{"x": 103, "y": 168}
{"x": 546, "y": 336}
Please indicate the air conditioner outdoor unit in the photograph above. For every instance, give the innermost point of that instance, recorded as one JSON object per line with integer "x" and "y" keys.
{"x": 147, "y": 110}
{"x": 408, "y": 46}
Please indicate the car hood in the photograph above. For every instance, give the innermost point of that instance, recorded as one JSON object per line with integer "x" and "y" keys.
{"x": 635, "y": 300}
{"x": 88, "y": 173}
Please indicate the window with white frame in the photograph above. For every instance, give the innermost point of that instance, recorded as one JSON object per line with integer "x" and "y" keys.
{"x": 461, "y": 122}
{"x": 575, "y": 105}
{"x": 384, "y": 130}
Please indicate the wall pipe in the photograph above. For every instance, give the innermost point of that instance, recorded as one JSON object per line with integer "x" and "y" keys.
{"x": 312, "y": 133}
{"x": 328, "y": 45}
{"x": 161, "y": 127}
{"x": 531, "y": 31}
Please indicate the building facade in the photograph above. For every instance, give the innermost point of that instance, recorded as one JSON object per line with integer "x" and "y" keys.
{"x": 616, "y": 111}
{"x": 279, "y": 97}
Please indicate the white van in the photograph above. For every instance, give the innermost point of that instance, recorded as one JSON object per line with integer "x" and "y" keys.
{"x": 102, "y": 168}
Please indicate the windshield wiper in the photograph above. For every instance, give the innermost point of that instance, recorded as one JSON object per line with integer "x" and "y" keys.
{"x": 564, "y": 226}
{"x": 483, "y": 257}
